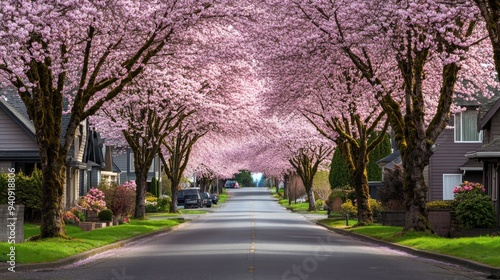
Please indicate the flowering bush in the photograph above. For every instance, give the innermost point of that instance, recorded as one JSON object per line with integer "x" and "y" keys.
{"x": 94, "y": 200}
{"x": 130, "y": 185}
{"x": 78, "y": 212}
{"x": 151, "y": 206}
{"x": 124, "y": 199}
{"x": 469, "y": 187}
{"x": 70, "y": 218}
{"x": 473, "y": 207}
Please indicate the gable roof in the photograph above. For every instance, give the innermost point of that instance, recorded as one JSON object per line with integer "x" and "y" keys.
{"x": 18, "y": 117}
{"x": 488, "y": 110}
{"x": 390, "y": 160}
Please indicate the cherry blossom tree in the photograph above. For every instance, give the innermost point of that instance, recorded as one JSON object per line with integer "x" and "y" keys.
{"x": 410, "y": 52}
{"x": 328, "y": 90}
{"x": 351, "y": 130}
{"x": 177, "y": 148}
{"x": 144, "y": 116}
{"x": 304, "y": 148}
{"x": 85, "y": 53}
{"x": 490, "y": 11}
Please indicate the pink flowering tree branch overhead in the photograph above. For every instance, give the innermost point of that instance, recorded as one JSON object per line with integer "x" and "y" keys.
{"x": 415, "y": 52}
{"x": 176, "y": 150}
{"x": 490, "y": 11}
{"x": 320, "y": 82}
{"x": 306, "y": 150}
{"x": 143, "y": 116}
{"x": 84, "y": 52}
{"x": 351, "y": 129}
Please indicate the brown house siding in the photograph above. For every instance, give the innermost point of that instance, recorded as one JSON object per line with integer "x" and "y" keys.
{"x": 494, "y": 130}
{"x": 447, "y": 159}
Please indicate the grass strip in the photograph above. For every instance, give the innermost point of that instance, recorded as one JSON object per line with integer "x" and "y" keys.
{"x": 483, "y": 249}
{"x": 52, "y": 249}
{"x": 222, "y": 198}
{"x": 300, "y": 207}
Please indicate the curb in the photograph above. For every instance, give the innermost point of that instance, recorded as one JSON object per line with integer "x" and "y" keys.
{"x": 86, "y": 254}
{"x": 493, "y": 272}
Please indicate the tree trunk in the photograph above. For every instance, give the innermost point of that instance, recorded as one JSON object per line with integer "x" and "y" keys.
{"x": 310, "y": 196}
{"x": 173, "y": 188}
{"x": 286, "y": 188}
{"x": 415, "y": 192}
{"x": 54, "y": 171}
{"x": 362, "y": 190}
{"x": 140, "y": 194}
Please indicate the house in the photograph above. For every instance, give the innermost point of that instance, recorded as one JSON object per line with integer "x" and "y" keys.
{"x": 489, "y": 153}
{"x": 448, "y": 166}
{"x": 19, "y": 150}
{"x": 100, "y": 165}
{"x": 18, "y": 147}
{"x": 124, "y": 160}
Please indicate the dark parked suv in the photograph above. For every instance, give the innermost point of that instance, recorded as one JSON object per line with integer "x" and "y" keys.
{"x": 189, "y": 198}
{"x": 206, "y": 199}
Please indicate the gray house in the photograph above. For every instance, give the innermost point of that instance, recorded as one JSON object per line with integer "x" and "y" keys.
{"x": 125, "y": 162}
{"x": 86, "y": 165}
{"x": 489, "y": 153}
{"x": 448, "y": 166}
{"x": 100, "y": 166}
{"x": 18, "y": 147}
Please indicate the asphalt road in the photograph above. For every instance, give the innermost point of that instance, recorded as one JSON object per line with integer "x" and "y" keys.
{"x": 252, "y": 237}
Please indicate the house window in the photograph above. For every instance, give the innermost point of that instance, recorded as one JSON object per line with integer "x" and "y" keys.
{"x": 131, "y": 162}
{"x": 152, "y": 167}
{"x": 466, "y": 127}
{"x": 131, "y": 165}
{"x": 450, "y": 181}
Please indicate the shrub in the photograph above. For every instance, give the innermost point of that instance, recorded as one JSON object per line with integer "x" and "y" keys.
{"x": 94, "y": 200}
{"x": 476, "y": 211}
{"x": 473, "y": 208}
{"x": 28, "y": 193}
{"x": 70, "y": 218}
{"x": 469, "y": 187}
{"x": 108, "y": 191}
{"x": 440, "y": 204}
{"x": 391, "y": 193}
{"x": 320, "y": 203}
{"x": 164, "y": 203}
{"x": 151, "y": 206}
{"x": 345, "y": 193}
{"x": 376, "y": 206}
{"x": 106, "y": 215}
{"x": 150, "y": 197}
{"x": 349, "y": 209}
{"x": 124, "y": 199}
{"x": 78, "y": 212}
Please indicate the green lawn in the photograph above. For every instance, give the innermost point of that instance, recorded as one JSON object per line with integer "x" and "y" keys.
{"x": 222, "y": 198}
{"x": 52, "y": 249}
{"x": 481, "y": 249}
{"x": 300, "y": 207}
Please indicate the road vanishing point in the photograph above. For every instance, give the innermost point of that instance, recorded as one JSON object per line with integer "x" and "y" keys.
{"x": 251, "y": 237}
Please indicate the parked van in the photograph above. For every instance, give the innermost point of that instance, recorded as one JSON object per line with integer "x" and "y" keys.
{"x": 189, "y": 198}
